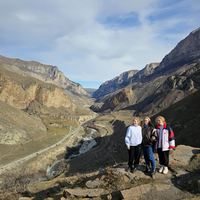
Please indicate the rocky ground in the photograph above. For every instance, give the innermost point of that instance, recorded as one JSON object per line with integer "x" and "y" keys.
{"x": 114, "y": 182}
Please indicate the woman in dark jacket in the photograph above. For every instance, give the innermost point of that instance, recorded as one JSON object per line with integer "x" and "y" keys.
{"x": 149, "y": 136}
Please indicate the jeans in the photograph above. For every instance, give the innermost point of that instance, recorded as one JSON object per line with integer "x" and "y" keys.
{"x": 148, "y": 156}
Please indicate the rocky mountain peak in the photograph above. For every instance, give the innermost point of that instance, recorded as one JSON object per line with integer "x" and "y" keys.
{"x": 118, "y": 82}
{"x": 187, "y": 50}
{"x": 46, "y": 73}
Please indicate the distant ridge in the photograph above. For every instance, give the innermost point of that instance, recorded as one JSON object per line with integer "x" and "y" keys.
{"x": 158, "y": 85}
{"x": 90, "y": 90}
{"x": 46, "y": 73}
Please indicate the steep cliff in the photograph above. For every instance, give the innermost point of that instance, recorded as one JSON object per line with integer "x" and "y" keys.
{"x": 126, "y": 95}
{"x": 124, "y": 80}
{"x": 118, "y": 82}
{"x": 186, "y": 51}
{"x": 19, "y": 92}
{"x": 46, "y": 73}
{"x": 157, "y": 95}
{"x": 167, "y": 82}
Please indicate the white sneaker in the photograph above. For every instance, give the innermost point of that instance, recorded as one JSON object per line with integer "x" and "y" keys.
{"x": 161, "y": 169}
{"x": 165, "y": 170}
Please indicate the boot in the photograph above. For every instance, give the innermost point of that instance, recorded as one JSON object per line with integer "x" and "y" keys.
{"x": 147, "y": 169}
{"x": 153, "y": 172}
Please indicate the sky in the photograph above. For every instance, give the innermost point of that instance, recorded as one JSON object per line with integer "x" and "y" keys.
{"x": 92, "y": 41}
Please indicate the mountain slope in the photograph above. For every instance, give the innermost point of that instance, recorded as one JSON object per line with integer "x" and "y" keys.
{"x": 184, "y": 117}
{"x": 151, "y": 89}
{"x": 122, "y": 81}
{"x": 17, "y": 127}
{"x": 112, "y": 85}
{"x": 19, "y": 91}
{"x": 46, "y": 73}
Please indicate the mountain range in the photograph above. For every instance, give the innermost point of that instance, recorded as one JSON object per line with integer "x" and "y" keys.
{"x": 157, "y": 85}
{"x": 39, "y": 106}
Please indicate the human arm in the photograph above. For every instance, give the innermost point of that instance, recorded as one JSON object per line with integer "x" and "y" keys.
{"x": 154, "y": 135}
{"x": 171, "y": 138}
{"x": 127, "y": 139}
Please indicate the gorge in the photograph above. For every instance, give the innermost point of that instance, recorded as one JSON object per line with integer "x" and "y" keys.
{"x": 40, "y": 107}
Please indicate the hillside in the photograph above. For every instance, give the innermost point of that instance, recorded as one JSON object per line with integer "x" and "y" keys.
{"x": 184, "y": 117}
{"x": 45, "y": 73}
{"x": 19, "y": 91}
{"x": 152, "y": 92}
{"x": 116, "y": 83}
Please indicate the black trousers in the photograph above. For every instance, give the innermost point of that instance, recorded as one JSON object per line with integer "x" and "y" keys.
{"x": 134, "y": 153}
{"x": 163, "y": 157}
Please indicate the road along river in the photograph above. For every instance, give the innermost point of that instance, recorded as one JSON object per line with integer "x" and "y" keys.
{"x": 46, "y": 149}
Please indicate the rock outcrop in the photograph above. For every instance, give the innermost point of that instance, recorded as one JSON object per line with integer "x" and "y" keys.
{"x": 17, "y": 127}
{"x": 124, "y": 80}
{"x": 126, "y": 95}
{"x": 157, "y": 87}
{"x": 118, "y": 82}
{"x": 139, "y": 185}
{"x": 151, "y": 98}
{"x": 46, "y": 73}
{"x": 18, "y": 96}
{"x": 186, "y": 51}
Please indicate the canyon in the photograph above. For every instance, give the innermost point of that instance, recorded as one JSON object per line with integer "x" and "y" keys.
{"x": 40, "y": 107}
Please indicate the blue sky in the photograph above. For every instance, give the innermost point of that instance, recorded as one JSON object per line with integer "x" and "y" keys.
{"x": 92, "y": 41}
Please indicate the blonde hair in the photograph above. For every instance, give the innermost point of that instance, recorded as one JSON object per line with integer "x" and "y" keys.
{"x": 144, "y": 119}
{"x": 161, "y": 118}
{"x": 138, "y": 120}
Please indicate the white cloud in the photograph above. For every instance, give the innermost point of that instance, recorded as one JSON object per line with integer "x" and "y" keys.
{"x": 92, "y": 40}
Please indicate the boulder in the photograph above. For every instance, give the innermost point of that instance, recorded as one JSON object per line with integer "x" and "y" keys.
{"x": 182, "y": 155}
{"x": 82, "y": 192}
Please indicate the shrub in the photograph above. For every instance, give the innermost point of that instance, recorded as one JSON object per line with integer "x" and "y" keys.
{"x": 18, "y": 180}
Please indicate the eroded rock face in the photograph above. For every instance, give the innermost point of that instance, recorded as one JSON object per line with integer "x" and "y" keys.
{"x": 118, "y": 82}
{"x": 158, "y": 94}
{"x": 124, "y": 96}
{"x": 46, "y": 73}
{"x": 14, "y": 94}
{"x": 159, "y": 85}
{"x": 187, "y": 50}
{"x": 17, "y": 127}
{"x": 124, "y": 79}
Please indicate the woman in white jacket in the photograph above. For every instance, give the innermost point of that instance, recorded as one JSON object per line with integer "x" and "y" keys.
{"x": 133, "y": 142}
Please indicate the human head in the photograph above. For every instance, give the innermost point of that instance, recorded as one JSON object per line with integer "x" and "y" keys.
{"x": 160, "y": 120}
{"x": 136, "y": 119}
{"x": 146, "y": 120}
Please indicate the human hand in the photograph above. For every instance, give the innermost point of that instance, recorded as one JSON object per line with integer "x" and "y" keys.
{"x": 128, "y": 148}
{"x": 153, "y": 138}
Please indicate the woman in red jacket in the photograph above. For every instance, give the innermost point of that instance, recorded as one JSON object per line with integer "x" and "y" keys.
{"x": 164, "y": 144}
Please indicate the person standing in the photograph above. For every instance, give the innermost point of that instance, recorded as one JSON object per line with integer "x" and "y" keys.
{"x": 133, "y": 141}
{"x": 149, "y": 136}
{"x": 164, "y": 144}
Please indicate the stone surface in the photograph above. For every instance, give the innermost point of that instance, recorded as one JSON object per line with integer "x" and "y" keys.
{"x": 96, "y": 183}
{"x": 164, "y": 190}
{"x": 183, "y": 154}
{"x": 82, "y": 192}
{"x": 136, "y": 192}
